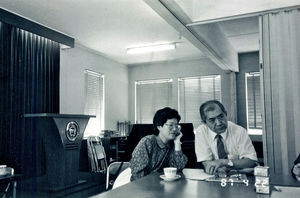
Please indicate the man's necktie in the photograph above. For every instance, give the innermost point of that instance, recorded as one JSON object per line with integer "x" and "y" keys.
{"x": 221, "y": 149}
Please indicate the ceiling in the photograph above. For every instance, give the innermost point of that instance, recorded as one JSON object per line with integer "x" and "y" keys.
{"x": 242, "y": 33}
{"x": 109, "y": 27}
{"x": 203, "y": 10}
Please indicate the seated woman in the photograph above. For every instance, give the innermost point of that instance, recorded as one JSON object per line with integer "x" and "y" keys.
{"x": 154, "y": 152}
{"x": 296, "y": 168}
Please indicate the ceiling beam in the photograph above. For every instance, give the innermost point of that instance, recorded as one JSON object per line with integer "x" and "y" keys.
{"x": 208, "y": 38}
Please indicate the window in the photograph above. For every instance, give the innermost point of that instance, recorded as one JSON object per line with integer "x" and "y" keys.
{"x": 94, "y": 102}
{"x": 193, "y": 91}
{"x": 150, "y": 96}
{"x": 253, "y": 103}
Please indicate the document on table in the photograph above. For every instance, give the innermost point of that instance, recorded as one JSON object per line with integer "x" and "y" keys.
{"x": 285, "y": 191}
{"x": 196, "y": 174}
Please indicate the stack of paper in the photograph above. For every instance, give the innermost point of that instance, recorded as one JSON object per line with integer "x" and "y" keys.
{"x": 196, "y": 174}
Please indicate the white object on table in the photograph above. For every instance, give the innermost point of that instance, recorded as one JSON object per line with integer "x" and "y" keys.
{"x": 196, "y": 174}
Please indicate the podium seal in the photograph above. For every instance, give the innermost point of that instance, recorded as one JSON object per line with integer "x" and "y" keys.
{"x": 72, "y": 131}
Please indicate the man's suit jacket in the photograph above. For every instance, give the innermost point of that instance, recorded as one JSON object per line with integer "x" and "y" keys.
{"x": 296, "y": 162}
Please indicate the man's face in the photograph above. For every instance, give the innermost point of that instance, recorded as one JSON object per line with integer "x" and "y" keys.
{"x": 216, "y": 120}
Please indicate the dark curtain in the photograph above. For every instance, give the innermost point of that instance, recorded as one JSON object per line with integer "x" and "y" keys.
{"x": 29, "y": 83}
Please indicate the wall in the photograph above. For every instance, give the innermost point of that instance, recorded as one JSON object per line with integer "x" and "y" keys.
{"x": 248, "y": 62}
{"x": 176, "y": 69}
{"x": 73, "y": 63}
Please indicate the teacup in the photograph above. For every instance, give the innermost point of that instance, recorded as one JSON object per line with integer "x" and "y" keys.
{"x": 170, "y": 172}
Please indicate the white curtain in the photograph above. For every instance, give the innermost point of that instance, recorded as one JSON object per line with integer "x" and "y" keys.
{"x": 232, "y": 114}
{"x": 193, "y": 91}
{"x": 150, "y": 97}
{"x": 94, "y": 102}
{"x": 280, "y": 33}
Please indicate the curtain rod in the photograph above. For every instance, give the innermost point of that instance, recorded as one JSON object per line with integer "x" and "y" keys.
{"x": 34, "y": 27}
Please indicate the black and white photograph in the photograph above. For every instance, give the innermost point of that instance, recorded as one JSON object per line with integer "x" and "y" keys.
{"x": 149, "y": 98}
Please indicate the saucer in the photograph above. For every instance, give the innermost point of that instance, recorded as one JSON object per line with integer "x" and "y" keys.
{"x": 170, "y": 179}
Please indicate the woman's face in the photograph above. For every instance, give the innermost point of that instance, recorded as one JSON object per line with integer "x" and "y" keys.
{"x": 169, "y": 130}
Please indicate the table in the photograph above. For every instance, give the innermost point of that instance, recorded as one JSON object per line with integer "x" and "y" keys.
{"x": 152, "y": 186}
{"x": 284, "y": 180}
{"x": 9, "y": 182}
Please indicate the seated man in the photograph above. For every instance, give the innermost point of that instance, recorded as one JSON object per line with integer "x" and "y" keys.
{"x": 220, "y": 143}
{"x": 296, "y": 168}
{"x": 154, "y": 152}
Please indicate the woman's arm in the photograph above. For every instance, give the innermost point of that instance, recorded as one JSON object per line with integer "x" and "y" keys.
{"x": 177, "y": 159}
{"x": 140, "y": 160}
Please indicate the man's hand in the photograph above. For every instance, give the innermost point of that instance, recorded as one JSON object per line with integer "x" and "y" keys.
{"x": 296, "y": 170}
{"x": 211, "y": 167}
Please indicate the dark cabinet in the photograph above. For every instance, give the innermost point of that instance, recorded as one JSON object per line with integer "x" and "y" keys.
{"x": 118, "y": 149}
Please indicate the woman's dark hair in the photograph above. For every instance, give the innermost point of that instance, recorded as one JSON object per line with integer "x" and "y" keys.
{"x": 210, "y": 106}
{"x": 162, "y": 115}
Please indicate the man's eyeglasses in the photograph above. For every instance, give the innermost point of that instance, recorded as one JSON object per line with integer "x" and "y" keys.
{"x": 220, "y": 117}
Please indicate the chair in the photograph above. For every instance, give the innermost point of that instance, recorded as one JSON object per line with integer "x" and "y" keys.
{"x": 96, "y": 154}
{"x": 123, "y": 178}
{"x": 114, "y": 170}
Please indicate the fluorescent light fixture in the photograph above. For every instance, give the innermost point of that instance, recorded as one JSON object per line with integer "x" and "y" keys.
{"x": 151, "y": 48}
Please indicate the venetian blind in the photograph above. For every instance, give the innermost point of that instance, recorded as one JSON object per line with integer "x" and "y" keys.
{"x": 193, "y": 91}
{"x": 94, "y": 102}
{"x": 151, "y": 96}
{"x": 253, "y": 101}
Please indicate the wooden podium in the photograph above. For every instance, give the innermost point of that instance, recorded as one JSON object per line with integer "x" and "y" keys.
{"x": 62, "y": 135}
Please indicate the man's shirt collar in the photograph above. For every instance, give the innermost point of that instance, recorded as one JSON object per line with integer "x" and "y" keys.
{"x": 213, "y": 134}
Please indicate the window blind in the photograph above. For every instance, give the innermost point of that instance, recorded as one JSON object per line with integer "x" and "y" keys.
{"x": 150, "y": 96}
{"x": 94, "y": 102}
{"x": 193, "y": 91}
{"x": 253, "y": 101}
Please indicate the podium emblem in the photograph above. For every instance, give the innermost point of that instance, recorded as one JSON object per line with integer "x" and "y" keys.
{"x": 72, "y": 131}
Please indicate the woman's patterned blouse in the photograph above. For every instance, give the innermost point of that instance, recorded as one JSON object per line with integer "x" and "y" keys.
{"x": 151, "y": 155}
